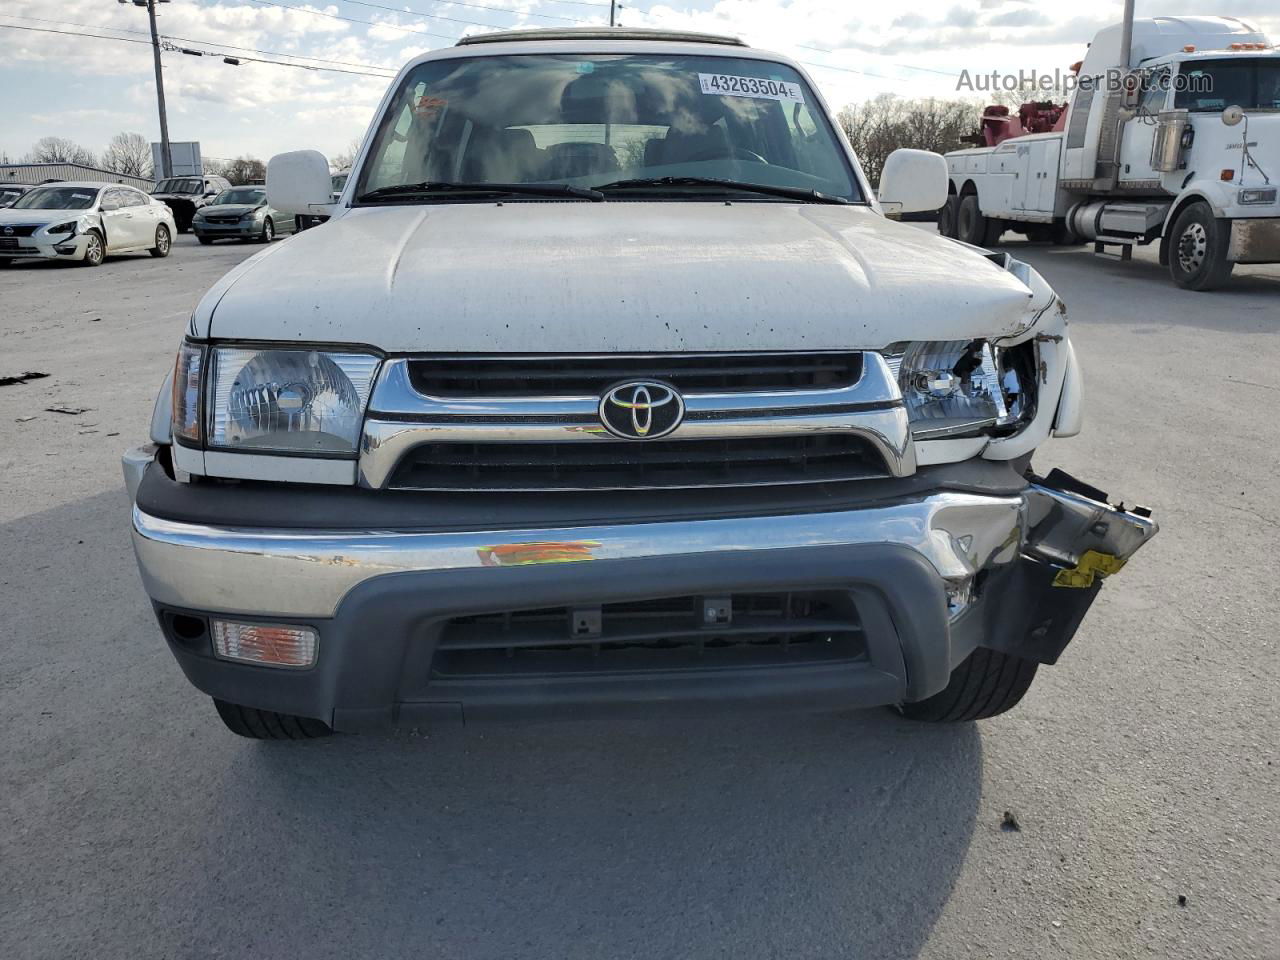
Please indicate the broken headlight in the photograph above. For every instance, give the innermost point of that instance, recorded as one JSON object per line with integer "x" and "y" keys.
{"x": 288, "y": 401}
{"x": 964, "y": 388}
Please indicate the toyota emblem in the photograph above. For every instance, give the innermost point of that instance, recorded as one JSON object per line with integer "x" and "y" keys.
{"x": 641, "y": 409}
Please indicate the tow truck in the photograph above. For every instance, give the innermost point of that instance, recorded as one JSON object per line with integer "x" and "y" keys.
{"x": 1171, "y": 135}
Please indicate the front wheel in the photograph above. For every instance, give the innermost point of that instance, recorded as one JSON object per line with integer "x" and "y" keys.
{"x": 205, "y": 241}
{"x": 986, "y": 684}
{"x": 257, "y": 724}
{"x": 163, "y": 242}
{"x": 268, "y": 231}
{"x": 1198, "y": 249}
{"x": 94, "y": 251}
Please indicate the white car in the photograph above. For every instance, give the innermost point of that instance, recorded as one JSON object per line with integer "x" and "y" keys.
{"x": 609, "y": 384}
{"x": 84, "y": 221}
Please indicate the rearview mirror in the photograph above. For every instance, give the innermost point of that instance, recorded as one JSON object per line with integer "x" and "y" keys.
{"x": 298, "y": 182}
{"x": 1232, "y": 116}
{"x": 913, "y": 181}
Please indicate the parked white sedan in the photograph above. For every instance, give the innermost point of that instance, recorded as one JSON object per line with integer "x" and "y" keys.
{"x": 86, "y": 222}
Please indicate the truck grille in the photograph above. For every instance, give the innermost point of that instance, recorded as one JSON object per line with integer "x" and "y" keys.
{"x": 616, "y": 465}
{"x": 533, "y": 376}
{"x": 671, "y": 633}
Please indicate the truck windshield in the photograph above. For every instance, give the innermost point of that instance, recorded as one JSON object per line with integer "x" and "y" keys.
{"x": 594, "y": 119}
{"x": 57, "y": 198}
{"x": 1249, "y": 82}
{"x": 178, "y": 186}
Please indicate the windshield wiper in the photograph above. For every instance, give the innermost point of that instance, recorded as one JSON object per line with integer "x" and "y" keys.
{"x": 727, "y": 186}
{"x": 428, "y": 188}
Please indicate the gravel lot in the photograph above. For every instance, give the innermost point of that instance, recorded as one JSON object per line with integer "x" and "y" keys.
{"x": 1142, "y": 769}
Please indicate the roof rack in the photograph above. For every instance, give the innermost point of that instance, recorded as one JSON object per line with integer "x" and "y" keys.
{"x": 598, "y": 33}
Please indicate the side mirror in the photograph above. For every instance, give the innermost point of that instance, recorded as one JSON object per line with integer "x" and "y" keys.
{"x": 913, "y": 181}
{"x": 298, "y": 182}
{"x": 1232, "y": 116}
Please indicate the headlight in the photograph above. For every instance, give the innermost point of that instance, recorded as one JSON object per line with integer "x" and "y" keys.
{"x": 254, "y": 214}
{"x": 288, "y": 401}
{"x": 964, "y": 387}
{"x": 1258, "y": 195}
{"x": 69, "y": 227}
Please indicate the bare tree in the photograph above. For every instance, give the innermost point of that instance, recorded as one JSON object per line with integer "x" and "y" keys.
{"x": 128, "y": 153}
{"x": 877, "y": 127}
{"x": 244, "y": 170}
{"x": 346, "y": 160}
{"x": 60, "y": 150}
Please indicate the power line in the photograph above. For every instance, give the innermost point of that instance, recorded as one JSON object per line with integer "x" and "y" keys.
{"x": 212, "y": 43}
{"x": 477, "y": 6}
{"x": 369, "y": 23}
{"x": 274, "y": 63}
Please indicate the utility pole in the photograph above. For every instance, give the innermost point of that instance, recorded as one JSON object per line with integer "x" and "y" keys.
{"x": 165, "y": 170}
{"x": 613, "y": 13}
{"x": 165, "y": 160}
{"x": 1126, "y": 36}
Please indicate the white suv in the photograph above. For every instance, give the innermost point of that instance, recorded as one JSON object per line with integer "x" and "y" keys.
{"x": 610, "y": 384}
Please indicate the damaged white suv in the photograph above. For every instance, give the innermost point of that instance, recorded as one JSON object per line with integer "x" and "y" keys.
{"x": 608, "y": 384}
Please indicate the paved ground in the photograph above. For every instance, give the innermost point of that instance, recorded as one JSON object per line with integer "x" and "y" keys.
{"x": 1142, "y": 768}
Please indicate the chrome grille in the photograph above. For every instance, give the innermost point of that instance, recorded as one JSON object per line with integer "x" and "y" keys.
{"x": 538, "y": 376}
{"x": 536, "y": 425}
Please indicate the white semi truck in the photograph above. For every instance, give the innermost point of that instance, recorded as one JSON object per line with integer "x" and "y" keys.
{"x": 1176, "y": 140}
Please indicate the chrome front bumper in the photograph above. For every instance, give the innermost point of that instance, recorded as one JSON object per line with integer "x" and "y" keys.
{"x": 287, "y": 572}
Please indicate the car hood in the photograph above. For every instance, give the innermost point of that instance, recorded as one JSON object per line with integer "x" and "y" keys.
{"x": 229, "y": 209}
{"x": 34, "y": 215}
{"x": 616, "y": 276}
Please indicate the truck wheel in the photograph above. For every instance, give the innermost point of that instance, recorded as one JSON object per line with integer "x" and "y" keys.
{"x": 986, "y": 684}
{"x": 267, "y": 724}
{"x": 1063, "y": 236}
{"x": 1198, "y": 249}
{"x": 971, "y": 225}
{"x": 947, "y": 217}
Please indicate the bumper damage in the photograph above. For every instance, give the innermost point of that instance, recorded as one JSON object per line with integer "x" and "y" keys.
{"x": 422, "y": 623}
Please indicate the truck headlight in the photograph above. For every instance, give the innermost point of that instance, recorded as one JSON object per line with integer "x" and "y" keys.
{"x": 964, "y": 387}
{"x": 288, "y": 401}
{"x": 1256, "y": 195}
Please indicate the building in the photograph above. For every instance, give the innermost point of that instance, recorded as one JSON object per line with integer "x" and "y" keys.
{"x": 40, "y": 172}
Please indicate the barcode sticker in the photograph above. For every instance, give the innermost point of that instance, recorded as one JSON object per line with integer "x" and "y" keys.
{"x": 724, "y": 85}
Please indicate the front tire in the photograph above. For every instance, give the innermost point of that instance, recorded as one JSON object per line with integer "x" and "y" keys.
{"x": 1198, "y": 249}
{"x": 268, "y": 231}
{"x": 95, "y": 251}
{"x": 986, "y": 684}
{"x": 267, "y": 724}
{"x": 205, "y": 241}
{"x": 164, "y": 243}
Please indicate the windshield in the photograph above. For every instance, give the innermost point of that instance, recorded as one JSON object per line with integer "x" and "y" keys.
{"x": 592, "y": 119}
{"x": 57, "y": 198}
{"x": 178, "y": 185}
{"x": 253, "y": 195}
{"x": 1250, "y": 82}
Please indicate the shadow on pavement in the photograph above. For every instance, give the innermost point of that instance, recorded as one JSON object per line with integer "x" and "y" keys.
{"x": 140, "y": 827}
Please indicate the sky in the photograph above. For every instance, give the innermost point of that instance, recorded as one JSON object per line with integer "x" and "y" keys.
{"x": 85, "y": 89}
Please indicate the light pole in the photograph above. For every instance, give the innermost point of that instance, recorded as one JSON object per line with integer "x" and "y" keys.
{"x": 613, "y": 13}
{"x": 165, "y": 160}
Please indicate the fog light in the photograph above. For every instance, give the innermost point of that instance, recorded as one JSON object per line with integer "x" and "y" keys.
{"x": 274, "y": 645}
